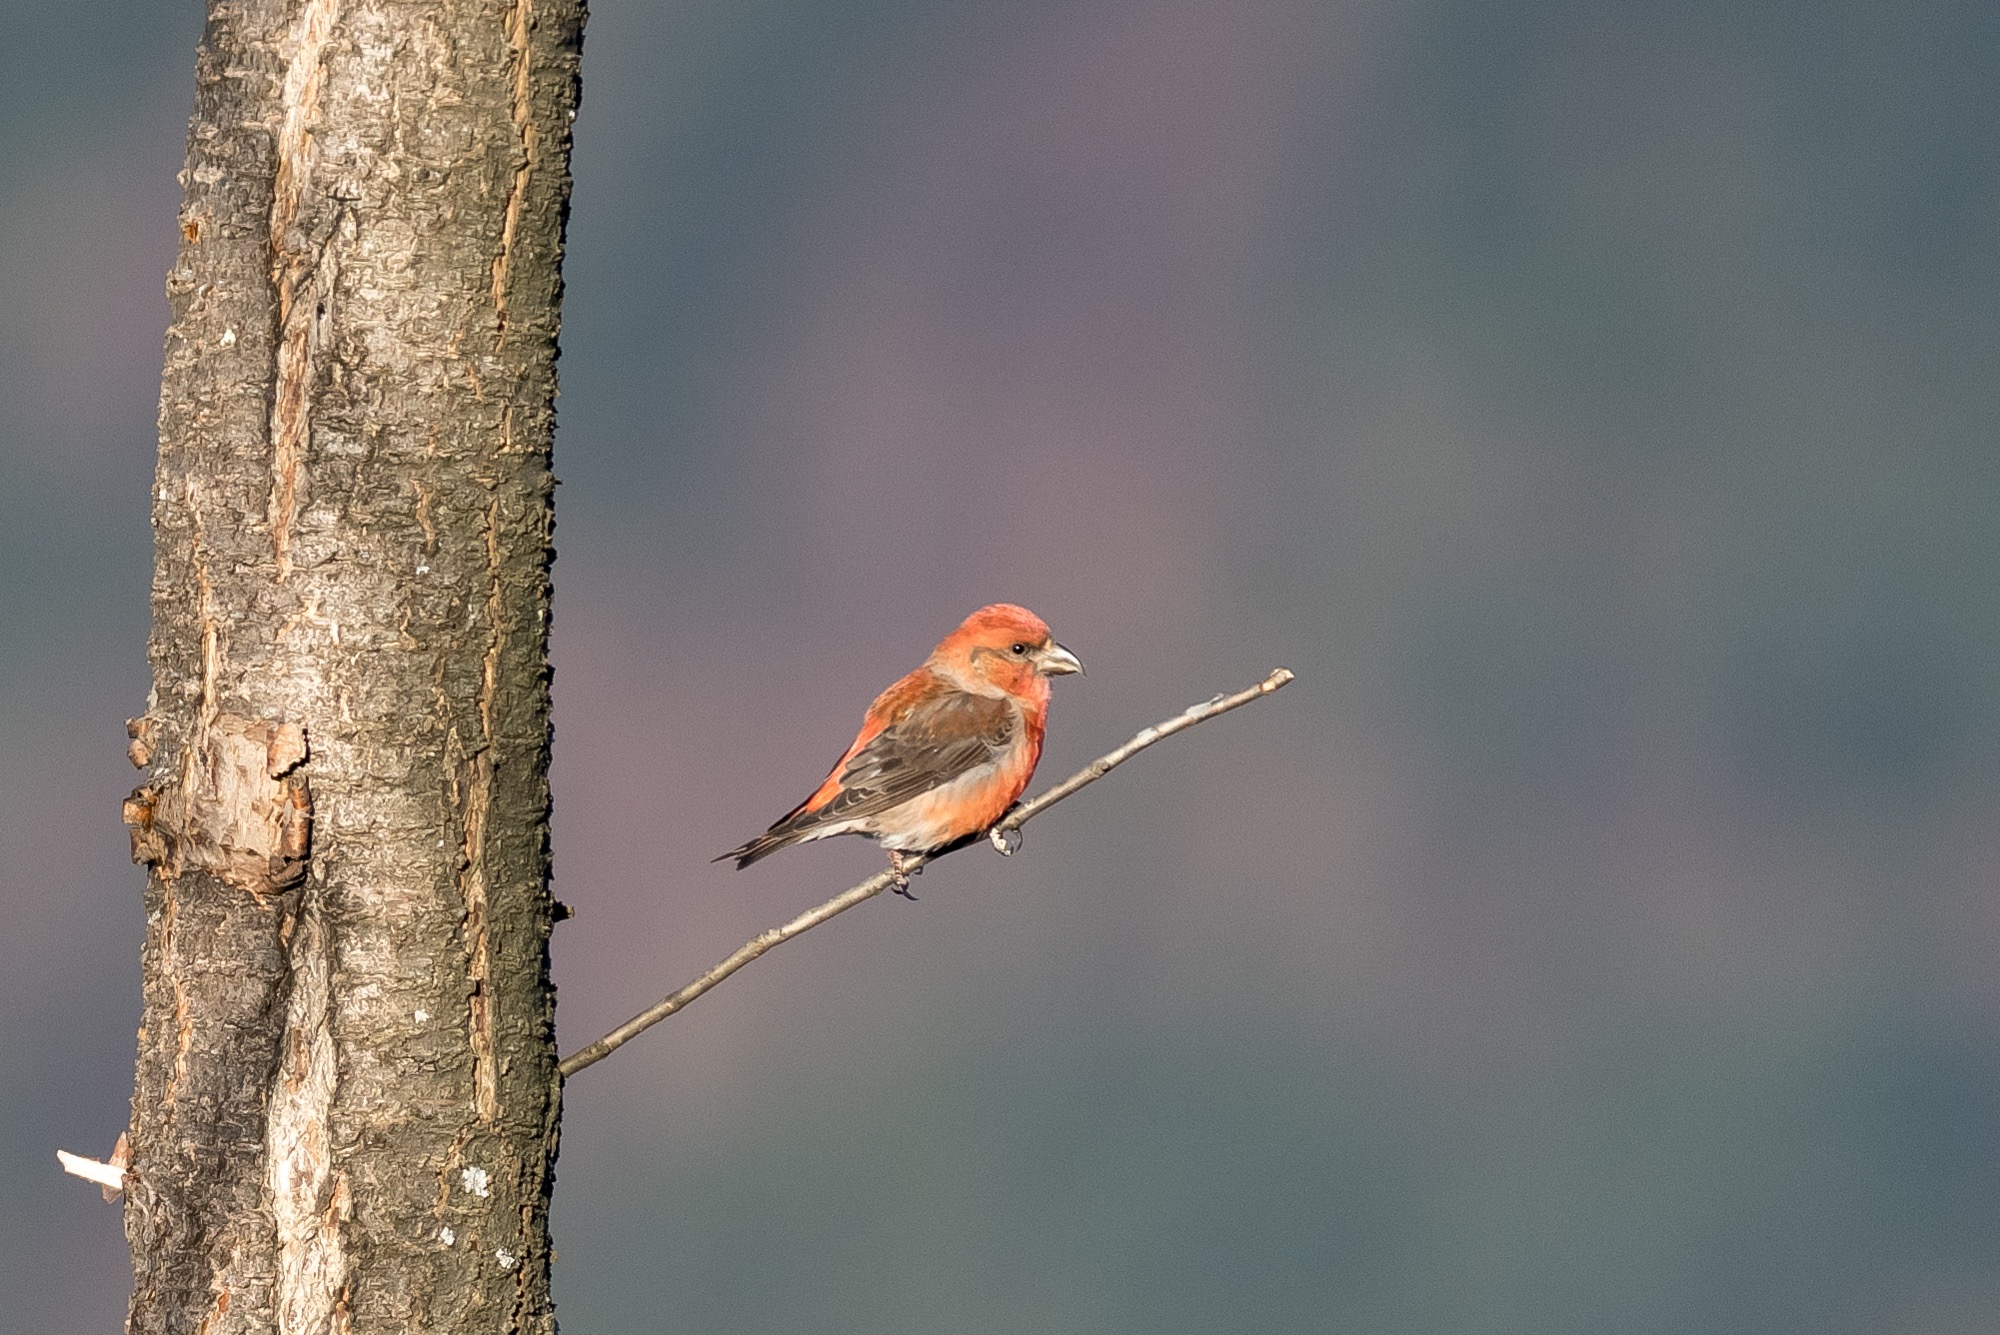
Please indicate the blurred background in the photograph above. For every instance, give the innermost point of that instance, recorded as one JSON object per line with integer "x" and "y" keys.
{"x": 1594, "y": 403}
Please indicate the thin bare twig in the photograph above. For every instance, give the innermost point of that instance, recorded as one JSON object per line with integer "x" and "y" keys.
{"x": 882, "y": 880}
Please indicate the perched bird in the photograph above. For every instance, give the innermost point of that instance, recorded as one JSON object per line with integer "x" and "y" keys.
{"x": 944, "y": 752}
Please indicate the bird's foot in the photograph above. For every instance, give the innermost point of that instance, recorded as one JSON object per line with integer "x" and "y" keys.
{"x": 1004, "y": 841}
{"x": 900, "y": 872}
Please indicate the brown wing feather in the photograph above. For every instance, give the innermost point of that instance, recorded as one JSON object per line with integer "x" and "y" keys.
{"x": 927, "y": 748}
{"x": 932, "y": 743}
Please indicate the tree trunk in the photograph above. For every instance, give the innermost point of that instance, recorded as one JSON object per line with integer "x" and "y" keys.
{"x": 346, "y": 1104}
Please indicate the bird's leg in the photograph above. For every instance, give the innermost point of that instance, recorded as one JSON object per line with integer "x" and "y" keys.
{"x": 901, "y": 878}
{"x": 1005, "y": 842}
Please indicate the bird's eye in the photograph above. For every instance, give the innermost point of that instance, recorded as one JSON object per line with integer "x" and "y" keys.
{"x": 1018, "y": 647}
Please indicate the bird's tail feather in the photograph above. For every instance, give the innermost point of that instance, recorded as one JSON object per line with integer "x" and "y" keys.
{"x": 761, "y": 847}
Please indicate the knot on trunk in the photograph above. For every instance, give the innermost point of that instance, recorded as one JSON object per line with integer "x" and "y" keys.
{"x": 238, "y": 808}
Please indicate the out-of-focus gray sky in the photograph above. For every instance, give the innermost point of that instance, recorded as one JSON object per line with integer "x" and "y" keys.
{"x": 1594, "y": 403}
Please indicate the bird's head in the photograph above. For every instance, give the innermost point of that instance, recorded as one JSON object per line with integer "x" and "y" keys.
{"x": 1006, "y": 647}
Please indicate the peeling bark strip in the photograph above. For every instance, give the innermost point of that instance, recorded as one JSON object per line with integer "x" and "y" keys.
{"x": 520, "y": 21}
{"x": 292, "y": 263}
{"x": 474, "y": 794}
{"x": 345, "y": 1108}
{"x": 310, "y": 1200}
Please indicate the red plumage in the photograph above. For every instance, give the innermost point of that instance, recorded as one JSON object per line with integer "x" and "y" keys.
{"x": 944, "y": 752}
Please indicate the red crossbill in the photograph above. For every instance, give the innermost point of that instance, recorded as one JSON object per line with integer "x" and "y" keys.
{"x": 943, "y": 753}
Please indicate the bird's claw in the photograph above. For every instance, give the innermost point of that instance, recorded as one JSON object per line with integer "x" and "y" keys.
{"x": 1004, "y": 841}
{"x": 899, "y": 875}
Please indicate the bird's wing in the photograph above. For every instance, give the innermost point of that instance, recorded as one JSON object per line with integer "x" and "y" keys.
{"x": 937, "y": 738}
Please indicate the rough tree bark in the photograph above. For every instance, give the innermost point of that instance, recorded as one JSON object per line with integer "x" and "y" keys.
{"x": 346, "y": 1104}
